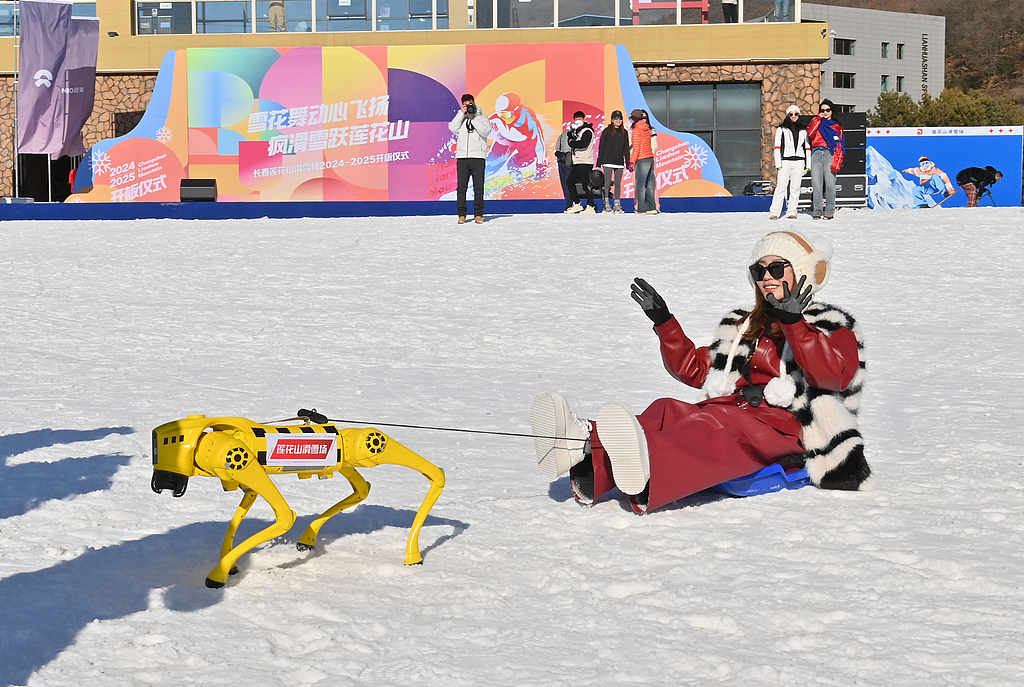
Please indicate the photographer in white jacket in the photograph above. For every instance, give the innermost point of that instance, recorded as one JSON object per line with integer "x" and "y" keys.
{"x": 472, "y": 129}
{"x": 792, "y": 159}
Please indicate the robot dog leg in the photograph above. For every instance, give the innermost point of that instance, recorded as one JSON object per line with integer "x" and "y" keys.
{"x": 360, "y": 490}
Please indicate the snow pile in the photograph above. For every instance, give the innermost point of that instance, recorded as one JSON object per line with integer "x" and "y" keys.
{"x": 112, "y": 328}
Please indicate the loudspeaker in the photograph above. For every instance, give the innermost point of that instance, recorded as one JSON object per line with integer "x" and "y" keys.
{"x": 198, "y": 190}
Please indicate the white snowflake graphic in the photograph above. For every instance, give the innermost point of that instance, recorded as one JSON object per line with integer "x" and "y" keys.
{"x": 74, "y": 199}
{"x": 100, "y": 162}
{"x": 163, "y": 134}
{"x": 696, "y": 157}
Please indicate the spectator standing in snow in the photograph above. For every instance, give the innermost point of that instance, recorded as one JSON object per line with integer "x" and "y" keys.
{"x": 581, "y": 143}
{"x": 641, "y": 163}
{"x": 791, "y": 159}
{"x": 828, "y": 147}
{"x": 471, "y": 128}
{"x": 562, "y": 155}
{"x": 975, "y": 182}
{"x": 780, "y": 382}
{"x": 612, "y": 157}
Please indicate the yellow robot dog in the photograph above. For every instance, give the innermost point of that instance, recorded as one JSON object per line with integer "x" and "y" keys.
{"x": 243, "y": 453}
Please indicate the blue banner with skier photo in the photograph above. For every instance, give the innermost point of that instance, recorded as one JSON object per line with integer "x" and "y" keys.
{"x": 918, "y": 167}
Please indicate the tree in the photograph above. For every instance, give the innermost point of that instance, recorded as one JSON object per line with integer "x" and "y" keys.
{"x": 894, "y": 109}
{"x": 952, "y": 108}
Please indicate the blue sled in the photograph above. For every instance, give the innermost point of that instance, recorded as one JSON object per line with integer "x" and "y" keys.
{"x": 764, "y": 481}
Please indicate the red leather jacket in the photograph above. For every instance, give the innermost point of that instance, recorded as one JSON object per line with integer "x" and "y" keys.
{"x": 828, "y": 362}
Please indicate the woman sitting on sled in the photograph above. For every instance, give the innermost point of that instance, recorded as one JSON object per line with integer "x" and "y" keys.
{"x": 780, "y": 383}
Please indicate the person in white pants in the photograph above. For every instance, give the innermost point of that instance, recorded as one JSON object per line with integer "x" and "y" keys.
{"x": 792, "y": 159}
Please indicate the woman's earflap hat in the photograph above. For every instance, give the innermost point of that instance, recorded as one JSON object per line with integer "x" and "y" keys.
{"x": 809, "y": 257}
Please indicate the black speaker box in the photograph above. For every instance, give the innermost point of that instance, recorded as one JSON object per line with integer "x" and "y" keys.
{"x": 204, "y": 190}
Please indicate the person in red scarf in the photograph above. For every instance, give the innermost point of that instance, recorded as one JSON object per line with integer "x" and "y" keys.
{"x": 828, "y": 146}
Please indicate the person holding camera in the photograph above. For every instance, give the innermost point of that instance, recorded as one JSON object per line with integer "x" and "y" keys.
{"x": 471, "y": 128}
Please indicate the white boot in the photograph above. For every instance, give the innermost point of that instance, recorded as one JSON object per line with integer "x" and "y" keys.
{"x": 574, "y": 209}
{"x": 624, "y": 442}
{"x": 559, "y": 436}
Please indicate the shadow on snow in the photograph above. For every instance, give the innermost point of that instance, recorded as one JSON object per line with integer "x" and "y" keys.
{"x": 29, "y": 485}
{"x": 43, "y": 611}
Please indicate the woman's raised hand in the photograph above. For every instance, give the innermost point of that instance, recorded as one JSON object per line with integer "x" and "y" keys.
{"x": 653, "y": 304}
{"x": 790, "y": 309}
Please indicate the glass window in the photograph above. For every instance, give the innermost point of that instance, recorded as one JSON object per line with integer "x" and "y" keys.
{"x": 692, "y": 109}
{"x": 885, "y": 83}
{"x": 899, "y": 51}
{"x": 726, "y": 116}
{"x": 843, "y": 80}
{"x": 284, "y": 15}
{"x": 738, "y": 106}
{"x": 342, "y": 15}
{"x": 843, "y": 46}
{"x": 83, "y": 9}
{"x": 885, "y": 50}
{"x": 223, "y": 17}
{"x": 163, "y": 17}
{"x": 589, "y": 13}
{"x": 899, "y": 84}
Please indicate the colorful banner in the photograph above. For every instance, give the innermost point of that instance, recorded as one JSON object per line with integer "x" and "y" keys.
{"x": 45, "y": 28}
{"x": 371, "y": 124}
{"x": 916, "y": 167}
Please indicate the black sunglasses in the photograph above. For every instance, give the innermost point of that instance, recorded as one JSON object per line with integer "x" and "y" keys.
{"x": 825, "y": 109}
{"x": 776, "y": 269}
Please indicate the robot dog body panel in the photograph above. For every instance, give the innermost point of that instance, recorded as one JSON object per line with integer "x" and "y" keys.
{"x": 243, "y": 453}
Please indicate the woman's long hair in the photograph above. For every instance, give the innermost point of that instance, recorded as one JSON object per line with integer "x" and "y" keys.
{"x": 757, "y": 318}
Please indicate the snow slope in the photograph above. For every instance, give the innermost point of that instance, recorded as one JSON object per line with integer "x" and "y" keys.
{"x": 112, "y": 328}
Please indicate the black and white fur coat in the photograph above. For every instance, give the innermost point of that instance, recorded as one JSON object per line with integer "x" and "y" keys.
{"x": 833, "y": 443}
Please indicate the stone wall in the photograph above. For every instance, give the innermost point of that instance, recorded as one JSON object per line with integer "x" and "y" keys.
{"x": 782, "y": 85}
{"x": 119, "y": 97}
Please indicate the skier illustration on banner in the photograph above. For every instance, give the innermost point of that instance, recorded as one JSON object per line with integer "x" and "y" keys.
{"x": 518, "y": 136}
{"x": 931, "y": 180}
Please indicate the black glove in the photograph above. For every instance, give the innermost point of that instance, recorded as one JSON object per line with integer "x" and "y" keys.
{"x": 653, "y": 304}
{"x": 790, "y": 309}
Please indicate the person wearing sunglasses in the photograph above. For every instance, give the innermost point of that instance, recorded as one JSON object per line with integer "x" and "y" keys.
{"x": 780, "y": 383}
{"x": 792, "y": 158}
{"x": 828, "y": 147}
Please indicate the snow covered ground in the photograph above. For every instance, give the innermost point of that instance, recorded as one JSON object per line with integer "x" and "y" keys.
{"x": 108, "y": 329}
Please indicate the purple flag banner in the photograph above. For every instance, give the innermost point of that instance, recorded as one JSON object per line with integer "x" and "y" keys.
{"x": 45, "y": 29}
{"x": 77, "y": 79}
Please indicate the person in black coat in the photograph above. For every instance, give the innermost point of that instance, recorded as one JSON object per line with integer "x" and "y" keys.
{"x": 612, "y": 157}
{"x": 975, "y": 182}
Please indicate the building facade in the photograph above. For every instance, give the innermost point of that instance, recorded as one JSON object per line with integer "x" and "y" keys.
{"x": 728, "y": 83}
{"x": 873, "y": 52}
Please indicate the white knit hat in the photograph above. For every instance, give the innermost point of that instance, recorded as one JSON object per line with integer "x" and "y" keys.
{"x": 809, "y": 257}
{"x": 792, "y": 108}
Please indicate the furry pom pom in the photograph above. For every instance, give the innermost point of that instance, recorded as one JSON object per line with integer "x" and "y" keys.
{"x": 720, "y": 383}
{"x": 780, "y": 392}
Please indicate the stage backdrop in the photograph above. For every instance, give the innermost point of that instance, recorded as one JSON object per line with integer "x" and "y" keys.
{"x": 897, "y": 178}
{"x": 371, "y": 124}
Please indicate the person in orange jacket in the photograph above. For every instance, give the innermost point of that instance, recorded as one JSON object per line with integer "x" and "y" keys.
{"x": 780, "y": 382}
{"x": 641, "y": 162}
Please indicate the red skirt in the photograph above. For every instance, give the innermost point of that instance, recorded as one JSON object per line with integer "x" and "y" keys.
{"x": 693, "y": 447}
